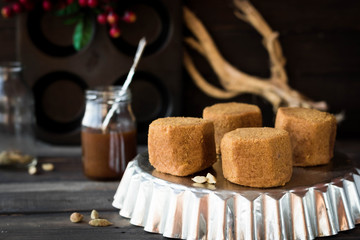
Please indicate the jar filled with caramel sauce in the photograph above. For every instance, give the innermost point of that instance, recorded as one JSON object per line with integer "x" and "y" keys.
{"x": 107, "y": 145}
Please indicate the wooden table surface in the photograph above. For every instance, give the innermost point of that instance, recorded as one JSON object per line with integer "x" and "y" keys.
{"x": 39, "y": 206}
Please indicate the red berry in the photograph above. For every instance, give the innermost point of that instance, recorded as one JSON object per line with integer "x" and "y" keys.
{"x": 29, "y": 6}
{"x": 23, "y": 2}
{"x": 101, "y": 18}
{"x": 6, "y": 12}
{"x": 82, "y": 3}
{"x": 46, "y": 4}
{"x": 115, "y": 32}
{"x": 129, "y": 17}
{"x": 92, "y": 3}
{"x": 69, "y": 1}
{"x": 17, "y": 8}
{"x": 109, "y": 8}
{"x": 112, "y": 18}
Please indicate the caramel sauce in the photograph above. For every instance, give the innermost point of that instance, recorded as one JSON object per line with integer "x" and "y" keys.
{"x": 106, "y": 155}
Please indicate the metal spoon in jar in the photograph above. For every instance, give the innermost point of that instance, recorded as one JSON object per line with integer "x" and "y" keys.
{"x": 139, "y": 51}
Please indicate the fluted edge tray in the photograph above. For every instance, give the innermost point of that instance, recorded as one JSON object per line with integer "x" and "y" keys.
{"x": 177, "y": 208}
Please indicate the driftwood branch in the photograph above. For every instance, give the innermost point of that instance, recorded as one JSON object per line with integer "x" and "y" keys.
{"x": 234, "y": 81}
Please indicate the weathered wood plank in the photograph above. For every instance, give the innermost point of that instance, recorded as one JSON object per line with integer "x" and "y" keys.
{"x": 58, "y": 226}
{"x": 35, "y": 202}
{"x": 66, "y": 169}
{"x": 64, "y": 189}
{"x": 68, "y": 186}
{"x": 56, "y": 196}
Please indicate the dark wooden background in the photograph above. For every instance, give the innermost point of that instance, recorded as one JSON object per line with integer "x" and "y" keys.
{"x": 320, "y": 40}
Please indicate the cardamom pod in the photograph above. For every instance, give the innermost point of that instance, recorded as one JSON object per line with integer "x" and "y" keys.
{"x": 94, "y": 214}
{"x": 199, "y": 179}
{"x": 100, "y": 222}
{"x": 76, "y": 217}
{"x": 210, "y": 178}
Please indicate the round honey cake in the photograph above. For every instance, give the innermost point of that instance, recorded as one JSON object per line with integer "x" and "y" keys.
{"x": 257, "y": 157}
{"x": 230, "y": 116}
{"x": 181, "y": 146}
{"x": 312, "y": 134}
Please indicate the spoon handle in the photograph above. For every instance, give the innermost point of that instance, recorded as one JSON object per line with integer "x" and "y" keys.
{"x": 138, "y": 54}
{"x": 139, "y": 51}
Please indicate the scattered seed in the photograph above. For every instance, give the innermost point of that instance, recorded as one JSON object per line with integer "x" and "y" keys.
{"x": 32, "y": 170}
{"x": 94, "y": 214}
{"x": 76, "y": 217}
{"x": 199, "y": 179}
{"x": 210, "y": 178}
{"x": 47, "y": 167}
{"x": 199, "y": 185}
{"x": 100, "y": 222}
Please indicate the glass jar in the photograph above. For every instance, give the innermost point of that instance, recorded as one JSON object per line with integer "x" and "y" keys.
{"x": 17, "y": 141}
{"x": 108, "y": 133}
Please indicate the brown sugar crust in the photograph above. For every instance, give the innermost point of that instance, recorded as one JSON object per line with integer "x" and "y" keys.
{"x": 181, "y": 145}
{"x": 230, "y": 116}
{"x": 312, "y": 134}
{"x": 257, "y": 157}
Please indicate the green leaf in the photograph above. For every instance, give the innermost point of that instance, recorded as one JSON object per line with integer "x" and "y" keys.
{"x": 72, "y": 20}
{"x": 68, "y": 10}
{"x": 83, "y": 32}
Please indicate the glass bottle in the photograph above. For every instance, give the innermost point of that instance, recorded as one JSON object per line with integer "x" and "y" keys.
{"x": 17, "y": 141}
{"x": 107, "y": 146}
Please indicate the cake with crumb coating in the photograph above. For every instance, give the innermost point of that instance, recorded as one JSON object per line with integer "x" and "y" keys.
{"x": 312, "y": 134}
{"x": 181, "y": 146}
{"x": 257, "y": 157}
{"x": 230, "y": 116}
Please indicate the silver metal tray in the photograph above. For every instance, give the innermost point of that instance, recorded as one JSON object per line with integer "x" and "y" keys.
{"x": 318, "y": 201}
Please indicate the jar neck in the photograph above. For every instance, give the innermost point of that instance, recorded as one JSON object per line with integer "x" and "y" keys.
{"x": 109, "y": 93}
{"x": 11, "y": 67}
{"x": 9, "y": 70}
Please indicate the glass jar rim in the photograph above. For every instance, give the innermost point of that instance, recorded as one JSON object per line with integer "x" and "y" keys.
{"x": 10, "y": 66}
{"x": 108, "y": 92}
